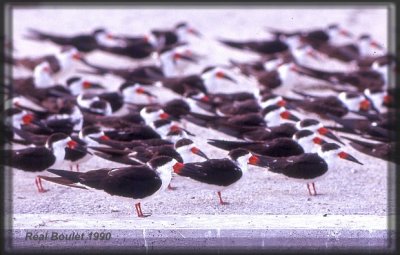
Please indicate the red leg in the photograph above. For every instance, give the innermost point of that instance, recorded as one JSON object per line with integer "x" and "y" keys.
{"x": 171, "y": 188}
{"x": 220, "y": 199}
{"x": 38, "y": 182}
{"x": 315, "y": 191}
{"x": 41, "y": 186}
{"x": 311, "y": 189}
{"x": 141, "y": 212}
{"x": 137, "y": 210}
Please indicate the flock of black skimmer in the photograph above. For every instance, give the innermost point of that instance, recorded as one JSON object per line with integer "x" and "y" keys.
{"x": 74, "y": 121}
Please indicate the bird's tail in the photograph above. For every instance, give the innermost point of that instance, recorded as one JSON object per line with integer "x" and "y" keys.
{"x": 346, "y": 123}
{"x": 304, "y": 94}
{"x": 229, "y": 145}
{"x": 62, "y": 181}
{"x": 279, "y": 33}
{"x": 68, "y": 176}
{"x": 96, "y": 70}
{"x": 36, "y": 35}
{"x": 236, "y": 45}
{"x": 200, "y": 119}
{"x": 355, "y": 142}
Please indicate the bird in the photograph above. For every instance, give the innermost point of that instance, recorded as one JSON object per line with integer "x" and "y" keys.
{"x": 363, "y": 127}
{"x": 184, "y": 150}
{"x": 278, "y": 147}
{"x": 37, "y": 159}
{"x": 350, "y": 52}
{"x": 316, "y": 127}
{"x": 308, "y": 140}
{"x": 178, "y": 34}
{"x": 85, "y": 42}
{"x": 360, "y": 79}
{"x": 263, "y": 47}
{"x": 339, "y": 105}
{"x": 307, "y": 167}
{"x": 59, "y": 63}
{"x": 216, "y": 79}
{"x": 137, "y": 50}
{"x": 147, "y": 74}
{"x": 139, "y": 183}
{"x": 315, "y": 37}
{"x": 218, "y": 174}
{"x": 384, "y": 151}
{"x": 41, "y": 78}
{"x": 86, "y": 137}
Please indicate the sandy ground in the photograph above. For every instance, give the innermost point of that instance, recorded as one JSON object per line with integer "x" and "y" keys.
{"x": 349, "y": 189}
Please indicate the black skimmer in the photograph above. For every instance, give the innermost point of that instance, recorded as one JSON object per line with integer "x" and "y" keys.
{"x": 262, "y": 47}
{"x": 140, "y": 49}
{"x": 78, "y": 85}
{"x": 315, "y": 38}
{"x": 239, "y": 107}
{"x": 307, "y": 167}
{"x": 268, "y": 133}
{"x": 218, "y": 174}
{"x": 139, "y": 183}
{"x": 88, "y": 136}
{"x": 41, "y": 78}
{"x": 350, "y": 52}
{"x": 380, "y": 98}
{"x": 384, "y": 151}
{"x": 384, "y": 120}
{"x": 118, "y": 102}
{"x": 131, "y": 120}
{"x": 223, "y": 122}
{"x": 363, "y": 127}
{"x": 100, "y": 139}
{"x": 82, "y": 42}
{"x": 336, "y": 105}
{"x": 46, "y": 98}
{"x": 359, "y": 79}
{"x": 179, "y": 34}
{"x": 59, "y": 63}
{"x": 183, "y": 84}
{"x": 275, "y": 114}
{"x": 210, "y": 102}
{"x": 216, "y": 79}
{"x": 36, "y": 159}
{"x": 145, "y": 74}
{"x": 138, "y": 39}
{"x": 272, "y": 115}
{"x": 218, "y": 99}
{"x": 384, "y": 64}
{"x": 184, "y": 150}
{"x": 175, "y": 61}
{"x": 318, "y": 128}
{"x": 308, "y": 140}
{"x": 189, "y": 151}
{"x": 269, "y": 79}
{"x": 30, "y": 122}
{"x": 278, "y": 147}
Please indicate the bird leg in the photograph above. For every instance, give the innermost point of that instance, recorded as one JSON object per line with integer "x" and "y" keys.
{"x": 137, "y": 210}
{"x": 77, "y": 167}
{"x": 71, "y": 167}
{"x": 38, "y": 182}
{"x": 171, "y": 188}
{"x": 220, "y": 199}
{"x": 141, "y": 213}
{"x": 311, "y": 189}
